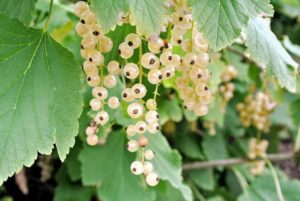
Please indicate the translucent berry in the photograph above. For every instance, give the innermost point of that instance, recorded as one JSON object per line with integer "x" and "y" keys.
{"x": 132, "y": 146}
{"x": 81, "y": 7}
{"x": 102, "y": 117}
{"x": 131, "y": 130}
{"x": 151, "y": 104}
{"x": 149, "y": 61}
{"x": 113, "y": 102}
{"x": 95, "y": 57}
{"x": 127, "y": 95}
{"x": 105, "y": 44}
{"x": 95, "y": 104}
{"x": 135, "y": 110}
{"x": 143, "y": 141}
{"x": 110, "y": 81}
{"x": 148, "y": 167}
{"x": 152, "y": 179}
{"x": 155, "y": 76}
{"x": 137, "y": 167}
{"x": 151, "y": 116}
{"x": 133, "y": 40}
{"x": 149, "y": 154}
{"x": 114, "y": 68}
{"x": 92, "y": 140}
{"x": 100, "y": 92}
{"x": 131, "y": 71}
{"x": 138, "y": 90}
{"x": 125, "y": 50}
{"x": 93, "y": 80}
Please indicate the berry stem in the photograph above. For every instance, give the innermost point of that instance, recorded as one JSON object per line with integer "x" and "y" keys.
{"x": 49, "y": 16}
{"x": 140, "y": 63}
{"x": 156, "y": 92}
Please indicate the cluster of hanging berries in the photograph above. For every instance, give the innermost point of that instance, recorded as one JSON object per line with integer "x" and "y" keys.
{"x": 255, "y": 111}
{"x": 257, "y": 153}
{"x": 226, "y": 89}
{"x": 93, "y": 44}
{"x": 157, "y": 65}
{"x": 192, "y": 84}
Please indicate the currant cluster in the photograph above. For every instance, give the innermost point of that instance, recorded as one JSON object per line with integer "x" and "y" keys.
{"x": 227, "y": 87}
{"x": 257, "y": 150}
{"x": 255, "y": 111}
{"x": 93, "y": 44}
{"x": 192, "y": 83}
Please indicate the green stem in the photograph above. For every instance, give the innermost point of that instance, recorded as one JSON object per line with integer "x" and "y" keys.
{"x": 140, "y": 63}
{"x": 242, "y": 181}
{"x": 49, "y": 16}
{"x": 297, "y": 143}
{"x": 156, "y": 92}
{"x": 276, "y": 181}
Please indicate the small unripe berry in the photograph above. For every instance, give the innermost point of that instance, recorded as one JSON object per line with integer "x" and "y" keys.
{"x": 132, "y": 146}
{"x": 151, "y": 104}
{"x": 110, "y": 81}
{"x": 149, "y": 154}
{"x": 143, "y": 141}
{"x": 113, "y": 102}
{"x": 96, "y": 104}
{"x": 152, "y": 179}
{"x": 131, "y": 130}
{"x": 92, "y": 140}
{"x": 148, "y": 167}
{"x": 137, "y": 167}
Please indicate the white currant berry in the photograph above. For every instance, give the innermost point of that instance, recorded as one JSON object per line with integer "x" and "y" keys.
{"x": 127, "y": 95}
{"x": 93, "y": 80}
{"x": 95, "y": 57}
{"x": 88, "y": 18}
{"x": 105, "y": 44}
{"x": 202, "y": 60}
{"x": 141, "y": 126}
{"x": 132, "y": 146}
{"x": 114, "y": 68}
{"x": 166, "y": 58}
{"x": 148, "y": 167}
{"x": 155, "y": 76}
{"x": 151, "y": 104}
{"x": 153, "y": 128}
{"x": 92, "y": 140}
{"x": 125, "y": 50}
{"x": 95, "y": 31}
{"x": 176, "y": 39}
{"x": 187, "y": 45}
{"x": 80, "y": 8}
{"x": 113, "y": 102}
{"x": 138, "y": 90}
{"x": 137, "y": 167}
{"x": 102, "y": 117}
{"x": 131, "y": 71}
{"x": 96, "y": 104}
{"x": 190, "y": 59}
{"x": 149, "y": 154}
{"x": 90, "y": 68}
{"x": 200, "y": 110}
{"x": 149, "y": 61}
{"x": 88, "y": 43}
{"x": 156, "y": 46}
{"x": 110, "y": 81}
{"x": 100, "y": 92}
{"x": 133, "y": 40}
{"x": 135, "y": 110}
{"x": 131, "y": 130}
{"x": 168, "y": 72}
{"x": 151, "y": 116}
{"x": 82, "y": 29}
{"x": 91, "y": 130}
{"x": 152, "y": 179}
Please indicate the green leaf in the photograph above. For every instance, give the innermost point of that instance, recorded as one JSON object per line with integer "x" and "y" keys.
{"x": 203, "y": 178}
{"x": 263, "y": 189}
{"x": 108, "y": 12}
{"x": 40, "y": 96}
{"x": 170, "y": 110}
{"x": 109, "y": 167}
{"x": 292, "y": 48}
{"x": 148, "y": 15}
{"x": 266, "y": 49}
{"x": 167, "y": 164}
{"x": 68, "y": 191}
{"x": 18, "y": 9}
{"x": 73, "y": 164}
{"x": 165, "y": 191}
{"x": 215, "y": 147}
{"x": 221, "y": 21}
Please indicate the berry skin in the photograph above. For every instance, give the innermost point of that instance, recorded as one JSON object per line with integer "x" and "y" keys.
{"x": 127, "y": 95}
{"x": 95, "y": 57}
{"x": 125, "y": 50}
{"x": 151, "y": 104}
{"x": 131, "y": 71}
{"x": 138, "y": 90}
{"x": 150, "y": 61}
{"x": 151, "y": 116}
{"x": 132, "y": 146}
{"x": 131, "y": 130}
{"x": 80, "y": 8}
{"x": 135, "y": 110}
{"x": 141, "y": 127}
{"x": 95, "y": 104}
{"x": 200, "y": 110}
{"x": 166, "y": 58}
{"x": 110, "y": 81}
{"x": 113, "y": 102}
{"x": 156, "y": 46}
{"x": 91, "y": 130}
{"x": 155, "y": 76}
{"x": 82, "y": 29}
{"x": 105, "y": 44}
{"x": 202, "y": 60}
{"x": 133, "y": 40}
{"x": 143, "y": 141}
{"x": 92, "y": 140}
{"x": 153, "y": 128}
{"x": 152, "y": 179}
{"x": 149, "y": 154}
{"x": 190, "y": 59}
{"x": 148, "y": 167}
{"x": 137, "y": 167}
{"x": 88, "y": 18}
{"x": 168, "y": 72}
{"x": 90, "y": 69}
{"x": 88, "y": 43}
{"x": 114, "y": 68}
{"x": 102, "y": 117}
{"x": 93, "y": 80}
{"x": 100, "y": 93}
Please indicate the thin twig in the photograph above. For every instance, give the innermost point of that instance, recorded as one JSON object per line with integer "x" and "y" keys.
{"x": 234, "y": 161}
